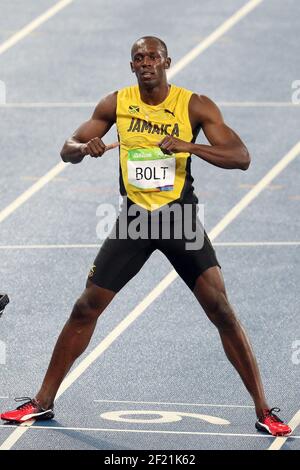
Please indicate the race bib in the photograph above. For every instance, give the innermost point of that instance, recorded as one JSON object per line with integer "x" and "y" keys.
{"x": 151, "y": 170}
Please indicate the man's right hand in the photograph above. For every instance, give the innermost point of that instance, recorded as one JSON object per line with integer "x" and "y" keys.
{"x": 96, "y": 147}
{"x": 86, "y": 140}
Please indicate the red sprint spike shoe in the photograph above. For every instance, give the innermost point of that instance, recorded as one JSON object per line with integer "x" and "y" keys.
{"x": 271, "y": 424}
{"x": 29, "y": 410}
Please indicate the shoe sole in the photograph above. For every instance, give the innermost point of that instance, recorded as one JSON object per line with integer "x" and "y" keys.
{"x": 46, "y": 416}
{"x": 265, "y": 429}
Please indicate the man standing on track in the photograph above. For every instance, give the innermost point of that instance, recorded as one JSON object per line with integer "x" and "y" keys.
{"x": 157, "y": 126}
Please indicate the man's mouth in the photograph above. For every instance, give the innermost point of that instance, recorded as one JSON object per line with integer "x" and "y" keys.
{"x": 147, "y": 74}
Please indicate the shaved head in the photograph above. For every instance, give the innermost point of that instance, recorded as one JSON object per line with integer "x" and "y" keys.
{"x": 150, "y": 61}
{"x": 161, "y": 43}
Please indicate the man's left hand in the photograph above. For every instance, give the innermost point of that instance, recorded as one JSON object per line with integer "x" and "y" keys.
{"x": 171, "y": 144}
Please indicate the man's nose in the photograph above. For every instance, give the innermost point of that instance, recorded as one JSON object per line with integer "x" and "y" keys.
{"x": 146, "y": 60}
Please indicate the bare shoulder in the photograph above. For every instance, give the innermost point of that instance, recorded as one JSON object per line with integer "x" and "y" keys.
{"x": 106, "y": 108}
{"x": 202, "y": 100}
{"x": 203, "y": 109}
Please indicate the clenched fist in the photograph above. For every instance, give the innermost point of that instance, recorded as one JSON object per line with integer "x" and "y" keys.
{"x": 171, "y": 145}
{"x": 96, "y": 147}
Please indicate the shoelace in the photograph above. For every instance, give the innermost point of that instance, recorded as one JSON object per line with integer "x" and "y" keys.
{"x": 29, "y": 403}
{"x": 274, "y": 418}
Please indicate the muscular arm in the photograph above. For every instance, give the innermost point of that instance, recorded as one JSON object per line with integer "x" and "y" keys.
{"x": 86, "y": 140}
{"x": 226, "y": 150}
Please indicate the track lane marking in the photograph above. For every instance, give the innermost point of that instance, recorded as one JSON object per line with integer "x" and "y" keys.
{"x": 213, "y": 37}
{"x": 97, "y": 245}
{"x": 19, "y": 201}
{"x": 82, "y": 104}
{"x": 256, "y": 190}
{"x": 34, "y": 24}
{"x": 173, "y": 403}
{"x": 148, "y": 431}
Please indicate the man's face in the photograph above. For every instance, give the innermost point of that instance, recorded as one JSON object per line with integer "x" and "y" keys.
{"x": 149, "y": 62}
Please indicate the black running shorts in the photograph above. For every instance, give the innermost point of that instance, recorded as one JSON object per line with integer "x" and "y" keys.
{"x": 123, "y": 253}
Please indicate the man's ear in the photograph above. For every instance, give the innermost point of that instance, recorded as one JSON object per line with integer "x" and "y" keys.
{"x": 131, "y": 66}
{"x": 168, "y": 63}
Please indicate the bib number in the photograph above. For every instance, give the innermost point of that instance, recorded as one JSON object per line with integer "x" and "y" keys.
{"x": 151, "y": 170}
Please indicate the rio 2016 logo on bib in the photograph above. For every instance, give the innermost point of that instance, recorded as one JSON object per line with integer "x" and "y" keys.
{"x": 151, "y": 170}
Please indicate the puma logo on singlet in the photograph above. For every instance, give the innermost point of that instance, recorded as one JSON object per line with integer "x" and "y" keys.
{"x": 169, "y": 112}
{"x": 140, "y": 125}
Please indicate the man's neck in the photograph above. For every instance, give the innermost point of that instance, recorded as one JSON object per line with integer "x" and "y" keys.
{"x": 156, "y": 95}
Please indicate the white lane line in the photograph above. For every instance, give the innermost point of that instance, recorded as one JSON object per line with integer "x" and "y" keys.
{"x": 258, "y": 104}
{"x": 237, "y": 244}
{"x": 279, "y": 441}
{"x": 159, "y": 289}
{"x": 19, "y": 201}
{"x": 48, "y": 105}
{"x": 97, "y": 245}
{"x": 22, "y": 33}
{"x": 147, "y": 431}
{"x": 256, "y": 190}
{"x": 173, "y": 404}
{"x": 47, "y": 247}
{"x": 227, "y": 104}
{"x": 213, "y": 37}
{"x": 223, "y": 28}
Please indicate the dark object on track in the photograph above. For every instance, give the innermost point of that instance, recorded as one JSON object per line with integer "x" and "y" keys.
{"x": 4, "y": 300}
